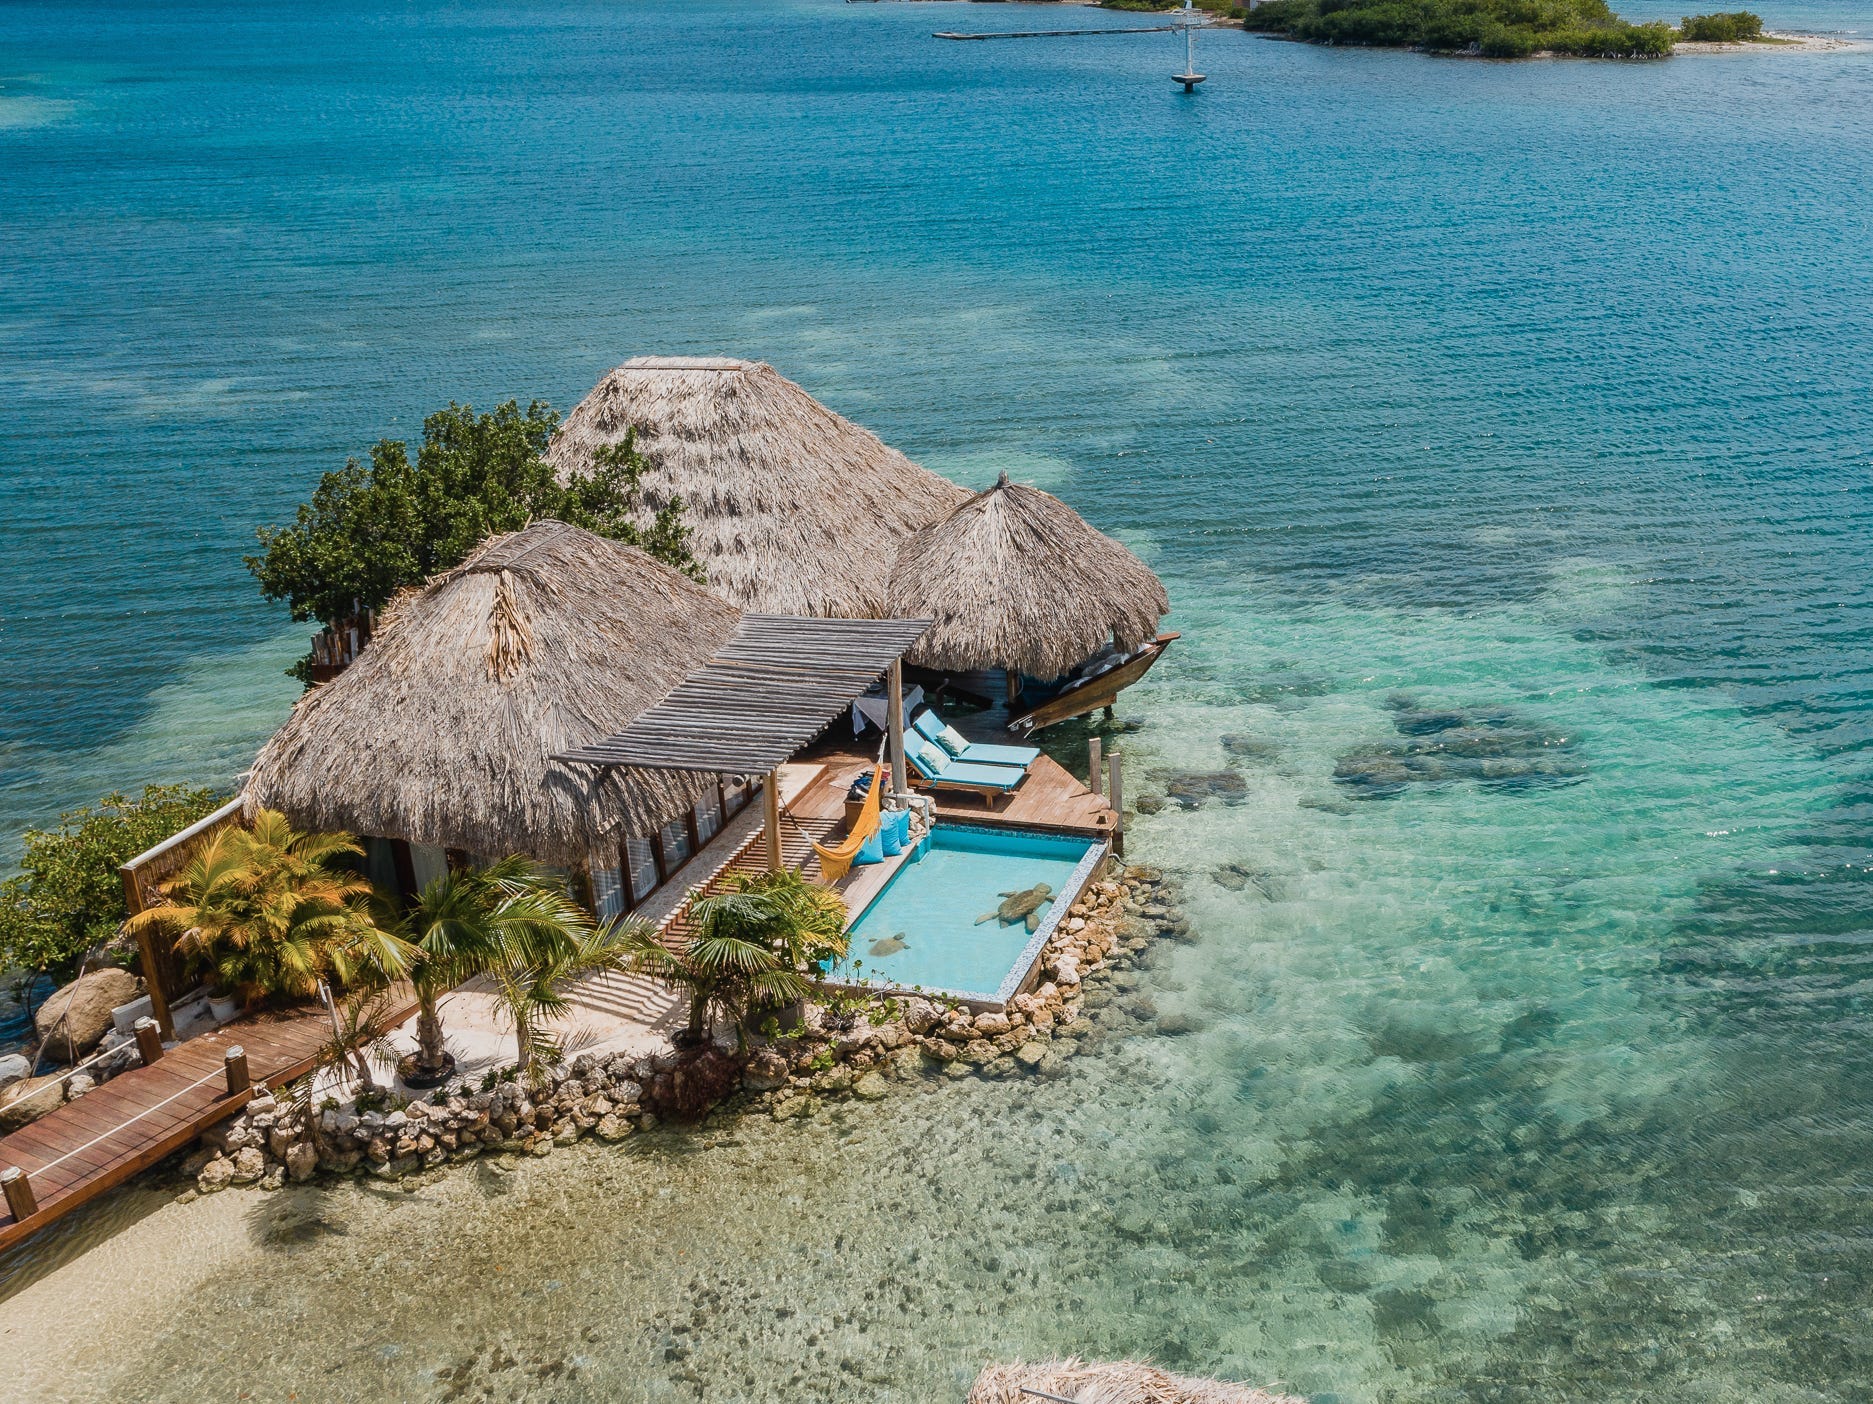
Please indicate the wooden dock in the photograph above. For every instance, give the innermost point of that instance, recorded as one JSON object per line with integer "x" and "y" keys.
{"x": 94, "y": 1144}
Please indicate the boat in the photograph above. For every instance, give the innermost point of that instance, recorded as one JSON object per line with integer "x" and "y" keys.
{"x": 1089, "y": 687}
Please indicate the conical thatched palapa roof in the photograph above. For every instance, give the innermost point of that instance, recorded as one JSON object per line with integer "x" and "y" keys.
{"x": 791, "y": 509}
{"x": 1015, "y": 578}
{"x": 1110, "y": 1382}
{"x": 442, "y": 731}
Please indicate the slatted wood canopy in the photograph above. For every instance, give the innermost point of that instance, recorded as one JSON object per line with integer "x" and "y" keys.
{"x": 766, "y": 693}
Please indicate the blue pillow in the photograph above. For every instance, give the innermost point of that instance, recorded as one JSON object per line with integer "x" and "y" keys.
{"x": 872, "y": 850}
{"x": 894, "y": 829}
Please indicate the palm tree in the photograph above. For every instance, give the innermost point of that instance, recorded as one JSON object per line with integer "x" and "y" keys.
{"x": 530, "y": 975}
{"x": 755, "y": 944}
{"x": 359, "y": 1021}
{"x": 271, "y": 911}
{"x": 461, "y": 925}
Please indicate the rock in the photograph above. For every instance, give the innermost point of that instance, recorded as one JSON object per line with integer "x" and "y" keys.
{"x": 279, "y": 1141}
{"x": 217, "y": 1174}
{"x": 871, "y": 1087}
{"x": 302, "y": 1161}
{"x": 27, "y": 1101}
{"x": 766, "y": 1071}
{"x": 957, "y": 1033}
{"x": 1178, "y": 1023}
{"x": 74, "y": 1020}
{"x": 249, "y": 1165}
{"x": 992, "y": 1024}
{"x": 14, "y": 1068}
{"x": 1031, "y": 1054}
{"x": 1149, "y": 804}
{"x": 920, "y": 1015}
{"x": 834, "y": 1079}
{"x": 789, "y": 1108}
{"x": 978, "y": 1051}
{"x": 568, "y": 1134}
{"x": 274, "y": 1179}
{"x": 193, "y": 1162}
{"x": 612, "y": 1127}
{"x": 76, "y": 1087}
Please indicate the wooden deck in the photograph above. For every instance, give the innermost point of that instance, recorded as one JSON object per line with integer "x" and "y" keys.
{"x": 86, "y": 1147}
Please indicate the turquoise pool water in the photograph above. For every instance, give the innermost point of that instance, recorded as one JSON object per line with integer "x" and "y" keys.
{"x": 923, "y": 932}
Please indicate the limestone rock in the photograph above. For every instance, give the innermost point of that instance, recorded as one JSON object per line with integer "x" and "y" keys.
{"x": 302, "y": 1161}
{"x": 76, "y": 1087}
{"x": 1031, "y": 1054}
{"x": 766, "y": 1071}
{"x": 991, "y": 1024}
{"x": 217, "y": 1174}
{"x": 612, "y": 1127}
{"x": 920, "y": 1015}
{"x": 872, "y": 1087}
{"x": 788, "y": 1108}
{"x": 27, "y": 1101}
{"x": 14, "y": 1068}
{"x": 249, "y": 1165}
{"x": 75, "y": 1019}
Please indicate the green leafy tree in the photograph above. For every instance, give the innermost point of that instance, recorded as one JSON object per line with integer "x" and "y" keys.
{"x": 530, "y": 975}
{"x": 1494, "y": 28}
{"x": 68, "y": 899}
{"x": 369, "y": 532}
{"x": 1733, "y": 27}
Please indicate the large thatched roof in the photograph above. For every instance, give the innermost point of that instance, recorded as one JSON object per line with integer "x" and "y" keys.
{"x": 791, "y": 509}
{"x": 441, "y": 732}
{"x": 1015, "y": 578}
{"x": 1110, "y": 1382}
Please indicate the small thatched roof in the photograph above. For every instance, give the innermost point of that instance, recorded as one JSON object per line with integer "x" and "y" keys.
{"x": 1115, "y": 1382}
{"x": 442, "y": 731}
{"x": 791, "y": 509}
{"x": 1015, "y": 578}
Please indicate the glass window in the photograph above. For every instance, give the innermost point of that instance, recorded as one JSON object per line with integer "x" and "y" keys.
{"x": 607, "y": 891}
{"x": 708, "y": 818}
{"x": 735, "y": 794}
{"x": 675, "y": 837}
{"x": 643, "y": 868}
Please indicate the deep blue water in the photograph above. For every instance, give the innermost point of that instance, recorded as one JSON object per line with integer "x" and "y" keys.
{"x": 1531, "y": 386}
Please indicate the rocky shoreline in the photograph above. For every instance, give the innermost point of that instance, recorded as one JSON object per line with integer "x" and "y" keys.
{"x": 845, "y": 1049}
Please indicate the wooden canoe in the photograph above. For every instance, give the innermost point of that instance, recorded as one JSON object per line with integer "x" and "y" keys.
{"x": 1090, "y": 694}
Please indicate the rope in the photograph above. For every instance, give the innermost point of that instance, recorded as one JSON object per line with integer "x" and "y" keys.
{"x": 207, "y": 1077}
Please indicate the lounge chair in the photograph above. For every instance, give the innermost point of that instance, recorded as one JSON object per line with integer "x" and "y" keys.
{"x": 932, "y": 768}
{"x": 836, "y": 861}
{"x": 931, "y": 727}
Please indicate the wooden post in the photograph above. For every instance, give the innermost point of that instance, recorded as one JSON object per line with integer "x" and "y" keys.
{"x": 1115, "y": 796}
{"x": 234, "y": 1062}
{"x": 770, "y": 802}
{"x": 146, "y": 947}
{"x": 149, "y": 1040}
{"x": 1094, "y": 780}
{"x": 21, "y": 1202}
{"x": 894, "y": 698}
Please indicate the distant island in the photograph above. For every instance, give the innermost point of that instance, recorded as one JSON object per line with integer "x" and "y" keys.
{"x": 1484, "y": 28}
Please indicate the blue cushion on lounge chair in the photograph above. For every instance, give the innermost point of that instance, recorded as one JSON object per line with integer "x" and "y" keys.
{"x": 928, "y": 724}
{"x": 990, "y": 777}
{"x": 870, "y": 851}
{"x": 984, "y": 754}
{"x": 894, "y": 828}
{"x": 952, "y": 740}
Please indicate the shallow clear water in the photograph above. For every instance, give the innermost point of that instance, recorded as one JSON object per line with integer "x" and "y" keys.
{"x": 1525, "y": 389}
{"x": 925, "y": 930}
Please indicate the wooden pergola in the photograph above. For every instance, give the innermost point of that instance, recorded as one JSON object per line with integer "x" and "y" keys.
{"x": 777, "y": 683}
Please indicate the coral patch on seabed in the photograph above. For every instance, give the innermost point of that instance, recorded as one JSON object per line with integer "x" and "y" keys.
{"x": 1495, "y": 747}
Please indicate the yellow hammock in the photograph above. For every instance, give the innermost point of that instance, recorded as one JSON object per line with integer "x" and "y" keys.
{"x": 835, "y": 863}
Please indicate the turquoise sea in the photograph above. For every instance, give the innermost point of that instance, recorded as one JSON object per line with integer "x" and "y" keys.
{"x": 1537, "y": 391}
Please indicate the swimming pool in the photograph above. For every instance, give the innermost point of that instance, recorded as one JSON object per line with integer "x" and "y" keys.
{"x": 922, "y": 932}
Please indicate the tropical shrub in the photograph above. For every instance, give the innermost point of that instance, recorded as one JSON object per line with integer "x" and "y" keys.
{"x": 68, "y": 899}
{"x": 530, "y": 976}
{"x": 369, "y": 532}
{"x": 273, "y": 910}
{"x": 1734, "y": 27}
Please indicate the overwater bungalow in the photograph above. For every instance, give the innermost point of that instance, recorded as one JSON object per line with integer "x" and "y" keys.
{"x": 1017, "y": 583}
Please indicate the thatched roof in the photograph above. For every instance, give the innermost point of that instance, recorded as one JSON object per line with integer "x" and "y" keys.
{"x": 791, "y": 509}
{"x": 1015, "y": 578}
{"x": 441, "y": 732}
{"x": 1115, "y": 1382}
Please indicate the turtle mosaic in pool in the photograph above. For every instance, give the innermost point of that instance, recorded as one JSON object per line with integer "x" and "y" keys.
{"x": 969, "y": 913}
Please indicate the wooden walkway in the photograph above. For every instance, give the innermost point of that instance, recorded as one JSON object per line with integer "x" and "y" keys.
{"x": 86, "y": 1147}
